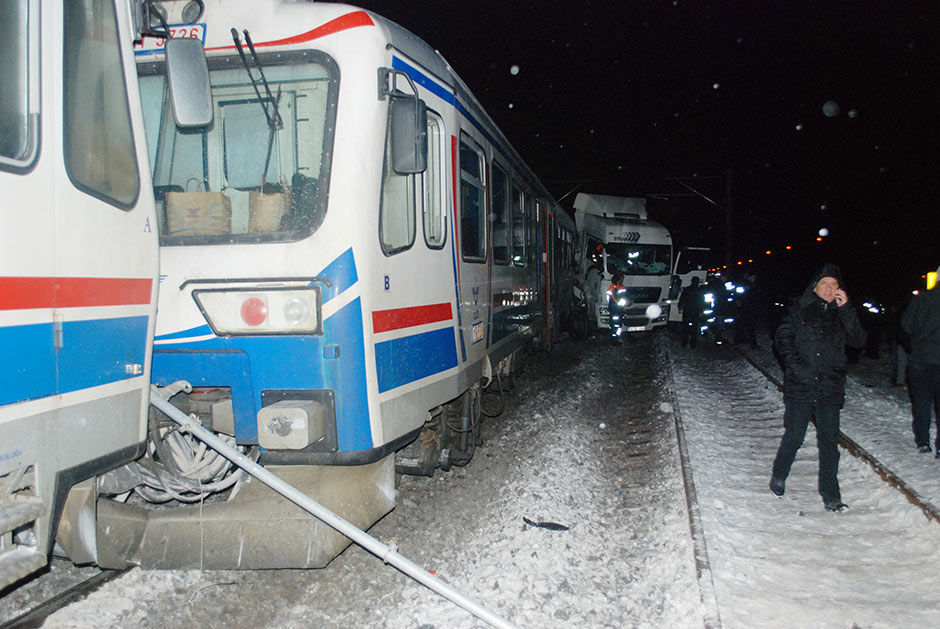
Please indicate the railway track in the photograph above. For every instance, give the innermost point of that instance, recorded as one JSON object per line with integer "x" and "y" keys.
{"x": 733, "y": 412}
{"x": 930, "y": 510}
{"x": 55, "y": 589}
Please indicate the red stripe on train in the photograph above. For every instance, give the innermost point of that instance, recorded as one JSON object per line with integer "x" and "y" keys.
{"x": 398, "y": 318}
{"x": 342, "y": 23}
{"x": 25, "y": 293}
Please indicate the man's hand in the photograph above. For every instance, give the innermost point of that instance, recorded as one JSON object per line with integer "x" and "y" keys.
{"x": 841, "y": 298}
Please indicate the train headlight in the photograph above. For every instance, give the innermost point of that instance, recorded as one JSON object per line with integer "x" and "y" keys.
{"x": 296, "y": 311}
{"x": 250, "y": 311}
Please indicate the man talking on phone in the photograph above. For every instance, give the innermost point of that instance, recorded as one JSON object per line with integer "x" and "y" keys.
{"x": 812, "y": 339}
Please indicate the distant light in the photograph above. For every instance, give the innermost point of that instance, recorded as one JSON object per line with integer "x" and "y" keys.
{"x": 716, "y": 86}
{"x": 799, "y": 127}
{"x": 740, "y": 263}
{"x": 514, "y": 70}
{"x": 824, "y": 232}
{"x": 853, "y": 113}
{"x": 750, "y": 261}
{"x": 767, "y": 252}
{"x": 823, "y": 206}
{"x": 818, "y": 238}
{"x": 830, "y": 109}
{"x": 510, "y": 105}
{"x": 931, "y": 280}
{"x": 789, "y": 247}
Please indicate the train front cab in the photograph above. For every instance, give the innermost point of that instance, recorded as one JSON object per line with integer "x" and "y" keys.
{"x": 326, "y": 301}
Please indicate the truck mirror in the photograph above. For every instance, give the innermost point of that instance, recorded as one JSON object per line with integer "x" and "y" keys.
{"x": 188, "y": 76}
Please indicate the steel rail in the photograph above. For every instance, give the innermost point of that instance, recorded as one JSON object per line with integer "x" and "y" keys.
{"x": 929, "y": 509}
{"x": 37, "y": 615}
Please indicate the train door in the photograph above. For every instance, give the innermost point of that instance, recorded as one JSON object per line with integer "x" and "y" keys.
{"x": 472, "y": 234}
{"x": 547, "y": 285}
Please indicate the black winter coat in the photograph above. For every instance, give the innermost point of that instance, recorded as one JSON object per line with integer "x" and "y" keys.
{"x": 812, "y": 339}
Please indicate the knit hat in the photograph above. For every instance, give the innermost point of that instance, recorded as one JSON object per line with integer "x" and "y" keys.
{"x": 828, "y": 270}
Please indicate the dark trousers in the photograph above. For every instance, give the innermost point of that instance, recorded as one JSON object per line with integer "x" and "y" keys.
{"x": 691, "y": 330}
{"x": 795, "y": 419}
{"x": 924, "y": 387}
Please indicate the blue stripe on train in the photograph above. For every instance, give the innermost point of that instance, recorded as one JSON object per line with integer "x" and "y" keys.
{"x": 250, "y": 365}
{"x": 411, "y": 358}
{"x": 93, "y": 353}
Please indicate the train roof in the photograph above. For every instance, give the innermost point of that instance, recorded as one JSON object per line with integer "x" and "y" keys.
{"x": 417, "y": 49}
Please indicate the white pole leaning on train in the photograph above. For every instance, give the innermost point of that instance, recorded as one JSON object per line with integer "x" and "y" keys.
{"x": 192, "y": 425}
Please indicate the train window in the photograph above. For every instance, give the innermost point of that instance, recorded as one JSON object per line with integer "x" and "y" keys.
{"x": 518, "y": 226}
{"x": 260, "y": 172}
{"x": 16, "y": 126}
{"x": 500, "y": 215}
{"x": 434, "y": 186}
{"x": 472, "y": 204}
{"x": 397, "y": 214}
{"x": 99, "y": 143}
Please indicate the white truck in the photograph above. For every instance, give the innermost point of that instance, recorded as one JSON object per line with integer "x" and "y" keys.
{"x": 616, "y": 235}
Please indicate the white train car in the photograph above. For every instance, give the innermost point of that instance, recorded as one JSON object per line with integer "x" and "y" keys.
{"x": 78, "y": 268}
{"x": 349, "y": 254}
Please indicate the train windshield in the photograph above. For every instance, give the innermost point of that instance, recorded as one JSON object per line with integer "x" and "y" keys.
{"x": 260, "y": 172}
{"x": 638, "y": 259}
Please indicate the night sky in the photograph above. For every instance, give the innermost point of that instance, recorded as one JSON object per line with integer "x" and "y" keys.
{"x": 785, "y": 117}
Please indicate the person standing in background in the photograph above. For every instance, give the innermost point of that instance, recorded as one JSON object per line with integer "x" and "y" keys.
{"x": 921, "y": 321}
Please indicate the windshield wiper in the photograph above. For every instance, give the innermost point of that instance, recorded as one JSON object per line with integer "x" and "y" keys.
{"x": 273, "y": 118}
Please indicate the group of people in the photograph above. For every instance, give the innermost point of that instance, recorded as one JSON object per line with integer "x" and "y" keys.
{"x": 811, "y": 341}
{"x": 741, "y": 305}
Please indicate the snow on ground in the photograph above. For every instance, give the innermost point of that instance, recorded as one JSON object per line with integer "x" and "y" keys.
{"x": 627, "y": 559}
{"x": 787, "y": 562}
{"x": 587, "y": 441}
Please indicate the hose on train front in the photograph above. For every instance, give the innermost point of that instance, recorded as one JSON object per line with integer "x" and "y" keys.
{"x": 178, "y": 469}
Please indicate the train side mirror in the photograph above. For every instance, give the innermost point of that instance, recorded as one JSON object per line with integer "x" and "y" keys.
{"x": 409, "y": 134}
{"x": 188, "y": 76}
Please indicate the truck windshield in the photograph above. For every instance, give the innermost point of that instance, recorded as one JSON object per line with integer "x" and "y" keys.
{"x": 638, "y": 259}
{"x": 243, "y": 179}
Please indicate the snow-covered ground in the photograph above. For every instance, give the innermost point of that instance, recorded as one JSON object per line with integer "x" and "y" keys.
{"x": 588, "y": 440}
{"x": 787, "y": 562}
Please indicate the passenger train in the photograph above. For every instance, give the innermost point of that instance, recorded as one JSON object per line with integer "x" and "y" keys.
{"x": 78, "y": 269}
{"x": 350, "y": 254}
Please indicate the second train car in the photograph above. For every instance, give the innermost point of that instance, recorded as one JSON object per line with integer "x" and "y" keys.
{"x": 349, "y": 255}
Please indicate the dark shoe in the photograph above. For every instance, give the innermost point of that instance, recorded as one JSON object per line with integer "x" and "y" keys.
{"x": 836, "y": 505}
{"x": 777, "y": 487}
{"x": 924, "y": 449}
